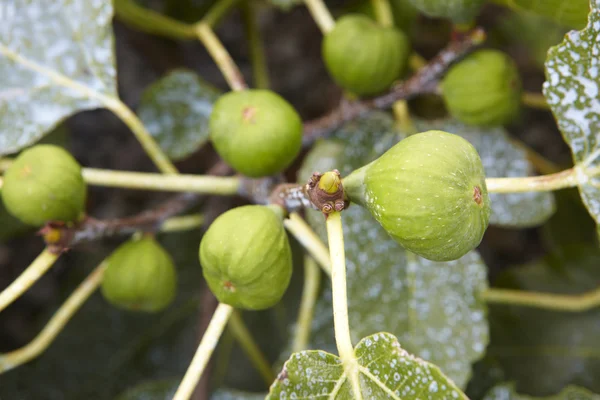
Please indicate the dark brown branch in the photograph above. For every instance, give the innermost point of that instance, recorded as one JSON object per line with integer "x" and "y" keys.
{"x": 424, "y": 81}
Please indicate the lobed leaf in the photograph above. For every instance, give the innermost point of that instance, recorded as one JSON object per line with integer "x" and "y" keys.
{"x": 385, "y": 371}
{"x": 176, "y": 110}
{"x": 56, "y": 58}
{"x": 434, "y": 308}
{"x": 507, "y": 392}
{"x": 572, "y": 90}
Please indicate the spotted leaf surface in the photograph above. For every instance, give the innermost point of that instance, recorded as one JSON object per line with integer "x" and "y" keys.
{"x": 502, "y": 158}
{"x": 56, "y": 58}
{"x": 384, "y": 371}
{"x": 176, "y": 109}
{"x": 434, "y": 308}
{"x": 507, "y": 392}
{"x": 572, "y": 90}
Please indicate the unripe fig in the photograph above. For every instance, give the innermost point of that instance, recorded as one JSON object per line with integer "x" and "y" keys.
{"x": 43, "y": 184}
{"x": 459, "y": 11}
{"x": 483, "y": 89}
{"x": 429, "y": 194}
{"x": 246, "y": 257}
{"x": 364, "y": 57}
{"x": 140, "y": 276}
{"x": 257, "y": 132}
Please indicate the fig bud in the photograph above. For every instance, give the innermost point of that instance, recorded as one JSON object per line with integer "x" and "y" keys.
{"x": 257, "y": 132}
{"x": 43, "y": 184}
{"x": 364, "y": 57}
{"x": 428, "y": 192}
{"x": 140, "y": 276}
{"x": 459, "y": 11}
{"x": 246, "y": 257}
{"x": 484, "y": 89}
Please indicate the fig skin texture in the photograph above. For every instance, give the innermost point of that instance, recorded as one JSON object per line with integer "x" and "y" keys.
{"x": 140, "y": 276}
{"x": 43, "y": 184}
{"x": 484, "y": 89}
{"x": 364, "y": 57}
{"x": 246, "y": 258}
{"x": 459, "y": 11}
{"x": 428, "y": 192}
{"x": 256, "y": 132}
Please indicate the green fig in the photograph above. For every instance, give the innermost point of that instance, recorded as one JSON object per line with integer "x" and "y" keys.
{"x": 43, "y": 184}
{"x": 428, "y": 192}
{"x": 246, "y": 257}
{"x": 484, "y": 89}
{"x": 140, "y": 276}
{"x": 364, "y": 57}
{"x": 459, "y": 11}
{"x": 257, "y": 132}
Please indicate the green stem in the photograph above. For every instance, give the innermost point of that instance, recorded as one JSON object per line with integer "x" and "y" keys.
{"x": 544, "y": 183}
{"x": 341, "y": 325}
{"x": 38, "y": 267}
{"x": 150, "y": 146}
{"x": 320, "y": 14}
{"x": 217, "y": 11}
{"x": 383, "y": 12}
{"x": 416, "y": 62}
{"x": 403, "y": 119}
{"x": 56, "y": 324}
{"x": 182, "y": 223}
{"x": 218, "y": 185}
{"x": 244, "y": 337}
{"x": 257, "y": 50}
{"x": 145, "y": 20}
{"x": 310, "y": 292}
{"x": 548, "y": 301}
{"x": 540, "y": 163}
{"x": 309, "y": 240}
{"x": 205, "y": 349}
{"x": 535, "y": 100}
{"x": 226, "y": 65}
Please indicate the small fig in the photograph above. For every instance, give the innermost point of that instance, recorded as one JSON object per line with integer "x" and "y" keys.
{"x": 484, "y": 89}
{"x": 246, "y": 257}
{"x": 459, "y": 11}
{"x": 364, "y": 57}
{"x": 257, "y": 132}
{"x": 428, "y": 192}
{"x": 140, "y": 276}
{"x": 43, "y": 184}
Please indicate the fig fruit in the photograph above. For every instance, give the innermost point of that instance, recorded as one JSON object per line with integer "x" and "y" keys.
{"x": 459, "y": 11}
{"x": 246, "y": 257}
{"x": 484, "y": 89}
{"x": 364, "y": 57}
{"x": 257, "y": 132}
{"x": 428, "y": 192}
{"x": 140, "y": 276}
{"x": 43, "y": 184}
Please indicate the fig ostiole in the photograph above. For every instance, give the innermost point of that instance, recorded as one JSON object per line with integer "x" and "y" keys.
{"x": 364, "y": 57}
{"x": 459, "y": 11}
{"x": 44, "y": 183}
{"x": 140, "y": 276}
{"x": 483, "y": 89}
{"x": 246, "y": 257}
{"x": 256, "y": 132}
{"x": 428, "y": 192}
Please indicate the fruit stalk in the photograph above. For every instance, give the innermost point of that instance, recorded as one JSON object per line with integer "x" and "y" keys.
{"x": 310, "y": 291}
{"x": 130, "y": 13}
{"x": 182, "y": 223}
{"x": 544, "y": 183}
{"x": 535, "y": 100}
{"x": 383, "y": 12}
{"x": 320, "y": 14}
{"x": 56, "y": 324}
{"x": 257, "y": 50}
{"x": 309, "y": 240}
{"x": 547, "y": 301}
{"x": 341, "y": 325}
{"x": 205, "y": 349}
{"x": 38, "y": 267}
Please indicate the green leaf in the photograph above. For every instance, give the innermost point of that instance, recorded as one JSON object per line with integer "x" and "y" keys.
{"x": 285, "y": 5}
{"x": 507, "y": 392}
{"x": 501, "y": 158}
{"x": 434, "y": 308}
{"x": 385, "y": 371}
{"x": 226, "y": 394}
{"x": 572, "y": 90}
{"x": 542, "y": 350}
{"x": 176, "y": 109}
{"x": 571, "y": 13}
{"x": 56, "y": 58}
